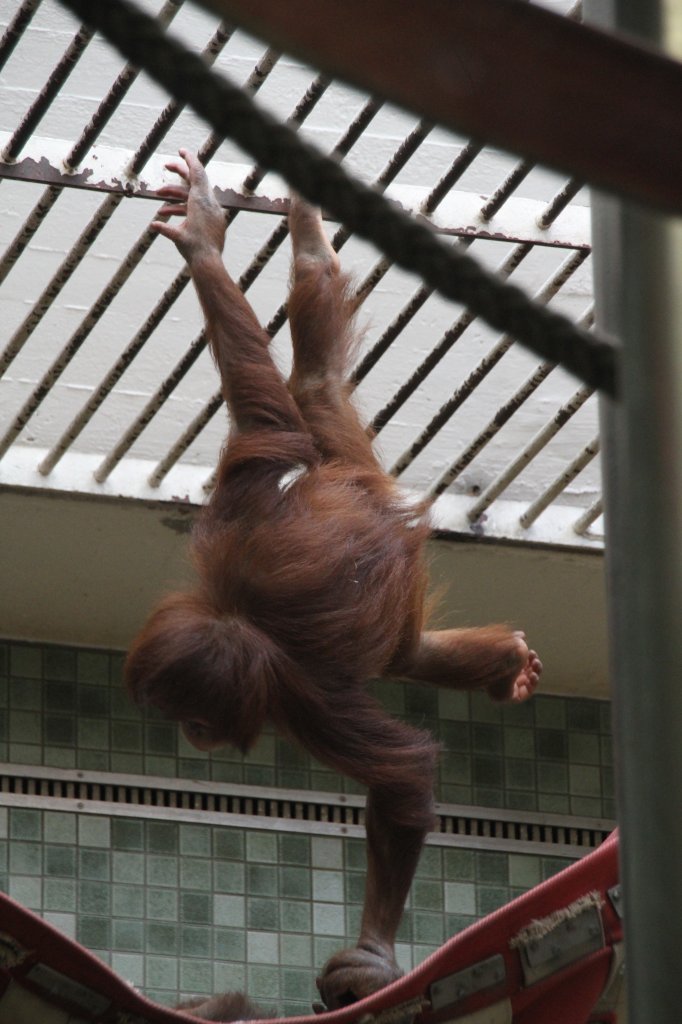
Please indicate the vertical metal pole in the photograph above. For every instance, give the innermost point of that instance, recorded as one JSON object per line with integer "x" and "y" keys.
{"x": 638, "y": 285}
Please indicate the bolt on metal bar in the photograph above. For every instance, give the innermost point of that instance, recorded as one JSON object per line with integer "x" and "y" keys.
{"x": 350, "y": 136}
{"x": 133, "y": 258}
{"x": 48, "y": 93}
{"x": 576, "y": 466}
{"x": 92, "y": 130}
{"x": 451, "y": 336}
{"x": 583, "y": 522}
{"x": 16, "y": 29}
{"x": 528, "y": 453}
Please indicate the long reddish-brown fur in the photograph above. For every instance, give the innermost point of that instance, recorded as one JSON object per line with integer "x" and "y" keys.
{"x": 312, "y": 583}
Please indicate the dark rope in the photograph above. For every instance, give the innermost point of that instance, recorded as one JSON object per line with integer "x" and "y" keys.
{"x": 410, "y": 243}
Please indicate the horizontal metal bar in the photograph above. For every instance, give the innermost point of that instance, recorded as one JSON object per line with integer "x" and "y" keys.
{"x": 458, "y": 213}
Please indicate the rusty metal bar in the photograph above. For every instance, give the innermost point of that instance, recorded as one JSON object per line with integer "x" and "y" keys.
{"x": 559, "y": 203}
{"x": 397, "y": 161}
{"x": 115, "y": 95}
{"x": 463, "y": 161}
{"x": 47, "y": 94}
{"x": 162, "y": 125}
{"x": 16, "y": 29}
{"x": 501, "y": 194}
{"x": 576, "y": 466}
{"x": 583, "y": 522}
{"x": 528, "y": 453}
{"x": 90, "y": 133}
{"x": 151, "y": 408}
{"x": 255, "y": 80}
{"x": 546, "y": 293}
{"x": 502, "y": 416}
{"x": 451, "y": 336}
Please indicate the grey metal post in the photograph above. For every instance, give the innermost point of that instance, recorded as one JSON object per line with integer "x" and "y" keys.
{"x": 638, "y": 284}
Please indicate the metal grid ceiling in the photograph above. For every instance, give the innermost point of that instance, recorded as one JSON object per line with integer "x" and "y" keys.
{"x": 107, "y": 386}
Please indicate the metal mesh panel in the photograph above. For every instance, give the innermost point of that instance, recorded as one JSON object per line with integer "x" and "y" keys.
{"x": 107, "y": 386}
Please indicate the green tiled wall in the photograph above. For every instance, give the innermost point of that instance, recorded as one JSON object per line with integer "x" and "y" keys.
{"x": 66, "y": 708}
{"x": 195, "y": 908}
{"x": 190, "y": 908}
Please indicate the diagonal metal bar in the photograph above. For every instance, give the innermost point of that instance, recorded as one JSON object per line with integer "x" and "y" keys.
{"x": 528, "y": 453}
{"x": 47, "y": 94}
{"x": 584, "y": 522}
{"x": 411, "y": 244}
{"x": 576, "y": 466}
{"x": 90, "y": 133}
{"x": 548, "y": 290}
{"x": 259, "y": 74}
{"x": 398, "y": 324}
{"x": 16, "y": 29}
{"x": 163, "y": 124}
{"x": 501, "y": 417}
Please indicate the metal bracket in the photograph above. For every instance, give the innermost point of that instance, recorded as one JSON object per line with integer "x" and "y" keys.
{"x": 615, "y": 894}
{"x": 570, "y": 939}
{"x": 480, "y": 976}
{"x": 54, "y": 983}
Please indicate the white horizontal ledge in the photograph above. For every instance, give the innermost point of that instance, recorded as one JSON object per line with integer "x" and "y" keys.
{"x": 186, "y": 485}
{"x": 104, "y": 169}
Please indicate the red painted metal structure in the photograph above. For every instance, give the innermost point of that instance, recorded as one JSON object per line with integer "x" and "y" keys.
{"x": 551, "y": 955}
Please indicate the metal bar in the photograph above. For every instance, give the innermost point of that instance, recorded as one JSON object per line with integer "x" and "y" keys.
{"x": 115, "y": 96}
{"x": 501, "y": 194}
{"x": 151, "y": 408}
{"x": 90, "y": 133}
{"x": 576, "y": 466}
{"x": 460, "y": 164}
{"x": 583, "y": 522}
{"x": 16, "y": 29}
{"x": 549, "y": 215}
{"x": 638, "y": 261}
{"x": 301, "y": 111}
{"x": 58, "y": 280}
{"x": 502, "y": 416}
{"x": 47, "y": 94}
{"x": 451, "y": 336}
{"x": 546, "y": 293}
{"x": 397, "y": 161}
{"x": 69, "y": 265}
{"x": 528, "y": 453}
{"x": 559, "y": 203}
